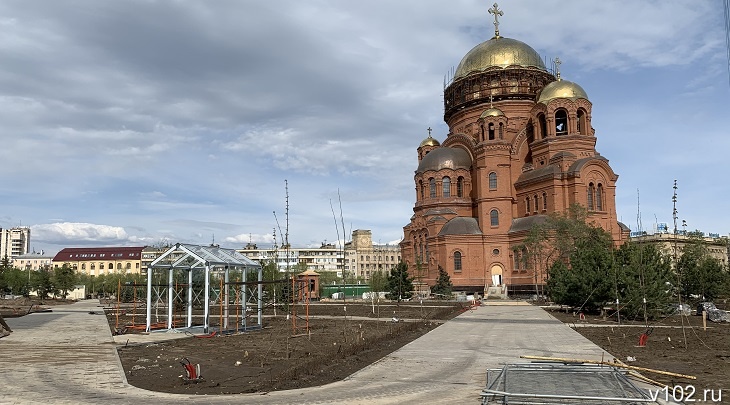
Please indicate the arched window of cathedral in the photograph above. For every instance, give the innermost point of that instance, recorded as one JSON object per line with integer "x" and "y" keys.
{"x": 460, "y": 187}
{"x": 517, "y": 259}
{"x": 561, "y": 122}
{"x": 591, "y": 193}
{"x": 537, "y": 206}
{"x": 457, "y": 261}
{"x": 446, "y": 182}
{"x": 432, "y": 187}
{"x": 599, "y": 197}
{"x": 530, "y": 133}
{"x": 543, "y": 125}
{"x": 492, "y": 181}
{"x": 523, "y": 258}
{"x": 582, "y": 123}
{"x": 544, "y": 201}
{"x": 491, "y": 131}
{"x": 527, "y": 201}
{"x": 501, "y": 131}
{"x": 482, "y": 131}
{"x": 494, "y": 218}
{"x": 421, "y": 189}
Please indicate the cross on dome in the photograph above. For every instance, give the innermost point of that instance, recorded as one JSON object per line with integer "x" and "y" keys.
{"x": 557, "y": 62}
{"x": 497, "y": 13}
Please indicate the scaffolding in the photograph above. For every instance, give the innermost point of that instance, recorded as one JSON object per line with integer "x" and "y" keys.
{"x": 556, "y": 383}
{"x": 192, "y": 260}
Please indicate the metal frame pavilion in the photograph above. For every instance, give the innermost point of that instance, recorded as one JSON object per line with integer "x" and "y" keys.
{"x": 192, "y": 258}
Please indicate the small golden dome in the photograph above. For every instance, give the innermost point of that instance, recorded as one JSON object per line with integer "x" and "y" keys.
{"x": 500, "y": 52}
{"x": 561, "y": 89}
{"x": 429, "y": 142}
{"x": 492, "y": 112}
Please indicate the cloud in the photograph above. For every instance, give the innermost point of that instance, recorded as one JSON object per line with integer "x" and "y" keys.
{"x": 72, "y": 232}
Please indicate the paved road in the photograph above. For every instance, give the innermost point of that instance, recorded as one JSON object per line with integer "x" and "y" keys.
{"x": 68, "y": 356}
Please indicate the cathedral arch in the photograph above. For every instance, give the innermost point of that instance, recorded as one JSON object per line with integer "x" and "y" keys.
{"x": 561, "y": 122}
{"x": 542, "y": 125}
{"x": 460, "y": 186}
{"x": 490, "y": 131}
{"x": 432, "y": 187}
{"x": 446, "y": 185}
{"x": 492, "y": 180}
{"x": 457, "y": 261}
{"x": 582, "y": 122}
{"x": 494, "y": 218}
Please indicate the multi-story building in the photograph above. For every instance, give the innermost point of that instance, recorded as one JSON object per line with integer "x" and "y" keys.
{"x": 33, "y": 261}
{"x": 364, "y": 258}
{"x": 520, "y": 146}
{"x": 670, "y": 242}
{"x": 101, "y": 260}
{"x": 360, "y": 258}
{"x": 14, "y": 242}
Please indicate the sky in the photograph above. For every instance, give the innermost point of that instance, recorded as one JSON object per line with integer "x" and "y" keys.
{"x": 130, "y": 123}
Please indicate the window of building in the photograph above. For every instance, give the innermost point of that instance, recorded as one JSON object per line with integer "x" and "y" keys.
{"x": 446, "y": 182}
{"x": 544, "y": 201}
{"x": 582, "y": 124}
{"x": 101, "y": 266}
{"x": 527, "y": 201}
{"x": 537, "y": 206}
{"x": 457, "y": 261}
{"x": 111, "y": 266}
{"x": 92, "y": 266}
{"x": 490, "y": 131}
{"x": 591, "y": 192}
{"x": 501, "y": 131}
{"x": 481, "y": 127}
{"x": 421, "y": 189}
{"x": 561, "y": 122}
{"x": 494, "y": 218}
{"x": 517, "y": 260}
{"x": 83, "y": 266}
{"x": 432, "y": 187}
{"x": 530, "y": 133}
{"x": 543, "y": 126}
{"x": 599, "y": 198}
{"x": 460, "y": 187}
{"x": 119, "y": 266}
{"x": 492, "y": 181}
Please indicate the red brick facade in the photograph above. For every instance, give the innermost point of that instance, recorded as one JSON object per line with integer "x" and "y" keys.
{"x": 520, "y": 146}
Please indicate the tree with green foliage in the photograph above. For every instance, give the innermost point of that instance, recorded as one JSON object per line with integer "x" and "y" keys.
{"x": 586, "y": 280}
{"x": 400, "y": 284}
{"x": 42, "y": 283}
{"x": 443, "y": 286}
{"x": 64, "y": 278}
{"x": 644, "y": 280}
{"x": 702, "y": 277}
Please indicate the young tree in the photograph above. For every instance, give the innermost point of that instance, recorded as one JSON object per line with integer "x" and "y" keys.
{"x": 644, "y": 280}
{"x": 400, "y": 284}
{"x": 702, "y": 276}
{"x": 64, "y": 278}
{"x": 443, "y": 286}
{"x": 587, "y": 280}
{"x": 41, "y": 282}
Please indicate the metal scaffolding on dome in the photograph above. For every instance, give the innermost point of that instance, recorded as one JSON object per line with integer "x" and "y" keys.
{"x": 209, "y": 260}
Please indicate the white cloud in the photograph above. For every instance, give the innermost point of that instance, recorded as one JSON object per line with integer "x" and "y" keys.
{"x": 73, "y": 232}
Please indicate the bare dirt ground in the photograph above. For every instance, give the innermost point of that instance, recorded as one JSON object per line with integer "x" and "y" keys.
{"x": 689, "y": 350}
{"x": 338, "y": 343}
{"x": 11, "y": 308}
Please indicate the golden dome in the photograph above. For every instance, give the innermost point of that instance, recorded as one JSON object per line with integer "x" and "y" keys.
{"x": 561, "y": 89}
{"x": 491, "y": 112}
{"x": 429, "y": 142}
{"x": 500, "y": 52}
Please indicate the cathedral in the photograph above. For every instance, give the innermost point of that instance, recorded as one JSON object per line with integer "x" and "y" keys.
{"x": 520, "y": 146}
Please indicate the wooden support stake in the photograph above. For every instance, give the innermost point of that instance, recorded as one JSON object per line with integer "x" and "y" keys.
{"x": 608, "y": 363}
{"x": 704, "y": 320}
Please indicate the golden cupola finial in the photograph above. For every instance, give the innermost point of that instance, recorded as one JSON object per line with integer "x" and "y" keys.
{"x": 497, "y": 13}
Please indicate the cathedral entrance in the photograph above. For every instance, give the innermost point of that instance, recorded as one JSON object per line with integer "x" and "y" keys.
{"x": 496, "y": 272}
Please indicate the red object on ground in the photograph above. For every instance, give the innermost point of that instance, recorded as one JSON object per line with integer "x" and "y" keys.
{"x": 642, "y": 339}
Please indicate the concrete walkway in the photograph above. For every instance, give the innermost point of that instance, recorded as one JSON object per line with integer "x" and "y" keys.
{"x": 68, "y": 356}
